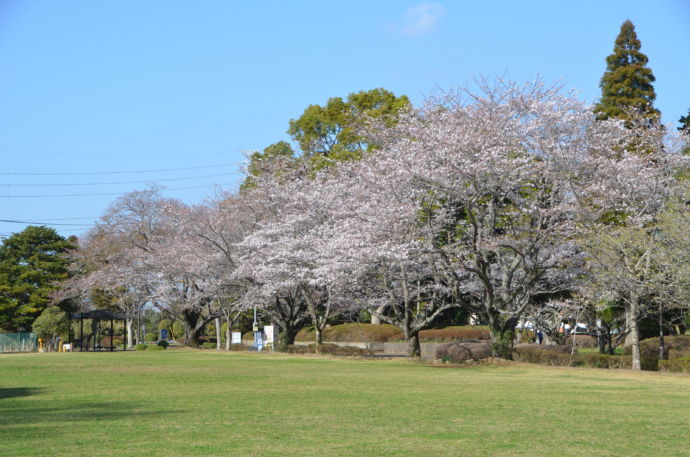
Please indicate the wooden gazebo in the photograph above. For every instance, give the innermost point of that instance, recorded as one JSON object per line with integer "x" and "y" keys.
{"x": 98, "y": 316}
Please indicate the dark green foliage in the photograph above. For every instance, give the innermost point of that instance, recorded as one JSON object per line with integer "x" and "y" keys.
{"x": 627, "y": 82}
{"x": 685, "y": 128}
{"x": 684, "y": 122}
{"x": 163, "y": 343}
{"x": 208, "y": 345}
{"x": 151, "y": 336}
{"x": 51, "y": 323}
{"x": 31, "y": 262}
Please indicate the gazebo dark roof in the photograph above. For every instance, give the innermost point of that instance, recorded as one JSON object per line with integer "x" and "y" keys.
{"x": 100, "y": 314}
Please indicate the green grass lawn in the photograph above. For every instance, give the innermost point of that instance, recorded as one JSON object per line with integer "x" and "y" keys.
{"x": 203, "y": 403}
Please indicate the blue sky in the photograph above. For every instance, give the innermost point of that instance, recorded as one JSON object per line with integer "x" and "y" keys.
{"x": 186, "y": 86}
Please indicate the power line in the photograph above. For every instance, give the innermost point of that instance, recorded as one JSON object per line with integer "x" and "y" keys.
{"x": 96, "y": 195}
{"x": 113, "y": 182}
{"x": 114, "y": 172}
{"x": 11, "y": 221}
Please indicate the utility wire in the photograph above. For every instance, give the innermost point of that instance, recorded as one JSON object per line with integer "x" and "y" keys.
{"x": 114, "y": 172}
{"x": 96, "y": 195}
{"x": 11, "y": 221}
{"x": 113, "y": 182}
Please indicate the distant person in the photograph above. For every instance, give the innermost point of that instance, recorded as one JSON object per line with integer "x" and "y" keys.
{"x": 540, "y": 337}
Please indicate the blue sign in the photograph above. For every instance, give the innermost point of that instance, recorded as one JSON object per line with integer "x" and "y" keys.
{"x": 164, "y": 334}
{"x": 259, "y": 341}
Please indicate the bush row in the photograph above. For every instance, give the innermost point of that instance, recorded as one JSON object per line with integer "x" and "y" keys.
{"x": 561, "y": 356}
{"x": 329, "y": 348}
{"x": 384, "y": 333}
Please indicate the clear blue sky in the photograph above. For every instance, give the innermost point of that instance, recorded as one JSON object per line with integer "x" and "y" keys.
{"x": 186, "y": 86}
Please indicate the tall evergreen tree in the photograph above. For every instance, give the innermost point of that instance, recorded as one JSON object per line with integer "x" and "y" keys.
{"x": 684, "y": 123}
{"x": 31, "y": 262}
{"x": 627, "y": 82}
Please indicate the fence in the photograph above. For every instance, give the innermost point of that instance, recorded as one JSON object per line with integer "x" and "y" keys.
{"x": 18, "y": 342}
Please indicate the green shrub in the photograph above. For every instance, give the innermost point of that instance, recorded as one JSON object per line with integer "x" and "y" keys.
{"x": 596, "y": 360}
{"x": 542, "y": 354}
{"x": 334, "y": 349}
{"x": 582, "y": 341}
{"x": 449, "y": 334}
{"x": 355, "y": 332}
{"x": 141, "y": 347}
{"x": 208, "y": 345}
{"x": 678, "y": 353}
{"x": 156, "y": 348}
{"x": 177, "y": 330}
{"x": 300, "y": 349}
{"x": 163, "y": 343}
{"x": 151, "y": 336}
{"x": 164, "y": 324}
{"x": 675, "y": 365}
{"x": 649, "y": 350}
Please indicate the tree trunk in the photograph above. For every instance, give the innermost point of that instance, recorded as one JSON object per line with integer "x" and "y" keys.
{"x": 375, "y": 319}
{"x": 286, "y": 337}
{"x": 662, "y": 347}
{"x": 502, "y": 337}
{"x": 413, "y": 347}
{"x": 228, "y": 334}
{"x": 633, "y": 313}
{"x": 218, "y": 334}
{"x": 193, "y": 326}
{"x": 129, "y": 322}
{"x": 319, "y": 335}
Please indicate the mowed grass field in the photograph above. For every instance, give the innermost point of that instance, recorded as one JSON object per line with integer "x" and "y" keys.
{"x": 203, "y": 403}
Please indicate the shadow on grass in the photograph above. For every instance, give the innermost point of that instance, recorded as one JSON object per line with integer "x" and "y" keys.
{"x": 21, "y": 417}
{"x": 11, "y": 392}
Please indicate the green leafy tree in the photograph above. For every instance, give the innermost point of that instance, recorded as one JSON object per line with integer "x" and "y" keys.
{"x": 330, "y": 131}
{"x": 31, "y": 263}
{"x": 260, "y": 162}
{"x": 627, "y": 83}
{"x": 327, "y": 134}
{"x": 51, "y": 323}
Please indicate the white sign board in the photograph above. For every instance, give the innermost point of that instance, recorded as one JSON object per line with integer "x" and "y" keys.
{"x": 236, "y": 338}
{"x": 270, "y": 334}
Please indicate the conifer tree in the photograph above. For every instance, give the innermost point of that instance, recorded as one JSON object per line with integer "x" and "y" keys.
{"x": 627, "y": 83}
{"x": 684, "y": 122}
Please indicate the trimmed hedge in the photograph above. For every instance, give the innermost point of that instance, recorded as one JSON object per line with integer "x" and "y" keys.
{"x": 450, "y": 334}
{"x": 543, "y": 354}
{"x": 649, "y": 350}
{"x": 330, "y": 349}
{"x": 463, "y": 351}
{"x": 156, "y": 348}
{"x": 556, "y": 355}
{"x": 676, "y": 365}
{"x": 141, "y": 347}
{"x": 353, "y": 333}
{"x": 582, "y": 341}
{"x": 383, "y": 333}
{"x": 208, "y": 345}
